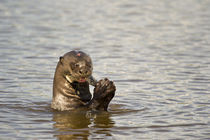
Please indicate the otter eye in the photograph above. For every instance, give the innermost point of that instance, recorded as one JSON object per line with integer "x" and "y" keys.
{"x": 76, "y": 65}
{"x": 89, "y": 65}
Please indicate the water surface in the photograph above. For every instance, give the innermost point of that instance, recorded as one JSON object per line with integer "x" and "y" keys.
{"x": 156, "y": 52}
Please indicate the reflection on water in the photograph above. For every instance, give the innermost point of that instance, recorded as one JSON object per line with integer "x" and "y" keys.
{"x": 157, "y": 53}
{"x": 76, "y": 124}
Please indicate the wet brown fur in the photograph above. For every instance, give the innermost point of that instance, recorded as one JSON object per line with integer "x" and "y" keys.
{"x": 69, "y": 93}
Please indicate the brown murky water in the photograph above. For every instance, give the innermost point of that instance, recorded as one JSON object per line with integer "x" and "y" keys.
{"x": 157, "y": 52}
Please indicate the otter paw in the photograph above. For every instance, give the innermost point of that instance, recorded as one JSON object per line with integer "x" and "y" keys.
{"x": 104, "y": 88}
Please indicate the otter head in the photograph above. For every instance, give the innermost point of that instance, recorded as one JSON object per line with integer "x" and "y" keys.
{"x": 77, "y": 66}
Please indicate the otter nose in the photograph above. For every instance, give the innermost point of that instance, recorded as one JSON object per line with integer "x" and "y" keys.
{"x": 83, "y": 71}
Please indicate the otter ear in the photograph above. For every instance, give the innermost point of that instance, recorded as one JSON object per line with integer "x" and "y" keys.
{"x": 61, "y": 60}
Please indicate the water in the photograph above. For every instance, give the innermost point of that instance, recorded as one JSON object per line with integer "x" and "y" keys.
{"x": 157, "y": 52}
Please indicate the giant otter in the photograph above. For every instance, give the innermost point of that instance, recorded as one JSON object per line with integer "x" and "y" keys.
{"x": 71, "y": 84}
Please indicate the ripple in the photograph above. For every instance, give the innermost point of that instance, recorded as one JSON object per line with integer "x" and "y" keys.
{"x": 176, "y": 125}
{"x": 157, "y": 53}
